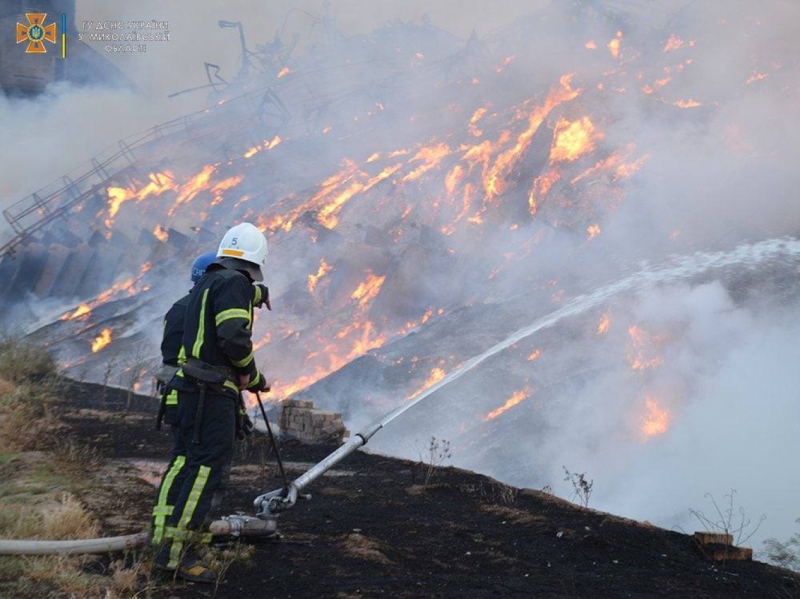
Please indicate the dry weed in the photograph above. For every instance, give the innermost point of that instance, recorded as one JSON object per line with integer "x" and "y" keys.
{"x": 69, "y": 520}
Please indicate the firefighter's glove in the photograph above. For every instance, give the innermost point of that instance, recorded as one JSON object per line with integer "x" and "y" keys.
{"x": 261, "y": 297}
{"x": 247, "y": 425}
{"x": 244, "y": 426}
{"x": 259, "y": 384}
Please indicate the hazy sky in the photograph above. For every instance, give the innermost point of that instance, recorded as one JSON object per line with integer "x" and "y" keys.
{"x": 195, "y": 36}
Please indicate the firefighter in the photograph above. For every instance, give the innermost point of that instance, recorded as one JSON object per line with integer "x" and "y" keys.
{"x": 172, "y": 357}
{"x": 219, "y": 364}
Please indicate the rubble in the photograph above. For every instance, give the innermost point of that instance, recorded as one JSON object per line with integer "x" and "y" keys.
{"x": 301, "y": 421}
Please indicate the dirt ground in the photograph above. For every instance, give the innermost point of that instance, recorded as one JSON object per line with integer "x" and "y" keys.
{"x": 372, "y": 529}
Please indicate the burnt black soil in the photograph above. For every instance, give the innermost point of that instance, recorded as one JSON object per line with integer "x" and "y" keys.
{"x": 373, "y": 530}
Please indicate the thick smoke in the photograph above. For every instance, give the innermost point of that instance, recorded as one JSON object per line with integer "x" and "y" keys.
{"x": 713, "y": 179}
{"x": 51, "y": 135}
{"x": 714, "y": 378}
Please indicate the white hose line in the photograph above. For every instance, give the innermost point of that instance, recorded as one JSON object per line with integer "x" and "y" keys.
{"x": 72, "y": 547}
{"x": 238, "y": 526}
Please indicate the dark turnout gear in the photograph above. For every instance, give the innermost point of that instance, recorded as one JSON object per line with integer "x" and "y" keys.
{"x": 171, "y": 356}
{"x": 219, "y": 354}
{"x": 261, "y": 297}
{"x": 217, "y": 328}
{"x": 171, "y": 484}
{"x": 172, "y": 339}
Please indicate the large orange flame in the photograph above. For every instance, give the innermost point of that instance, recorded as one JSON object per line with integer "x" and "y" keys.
{"x": 190, "y": 189}
{"x": 368, "y": 289}
{"x": 157, "y": 184}
{"x": 573, "y": 139}
{"x": 495, "y": 179}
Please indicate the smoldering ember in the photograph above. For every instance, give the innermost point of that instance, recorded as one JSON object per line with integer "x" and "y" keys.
{"x": 569, "y": 244}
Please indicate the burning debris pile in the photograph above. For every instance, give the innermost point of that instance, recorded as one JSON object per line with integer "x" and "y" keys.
{"x": 425, "y": 197}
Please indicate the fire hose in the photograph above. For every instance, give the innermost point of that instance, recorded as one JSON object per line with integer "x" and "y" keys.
{"x": 235, "y": 526}
{"x": 269, "y": 504}
{"x": 263, "y": 524}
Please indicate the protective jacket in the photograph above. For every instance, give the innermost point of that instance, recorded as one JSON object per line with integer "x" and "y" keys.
{"x": 218, "y": 323}
{"x": 172, "y": 340}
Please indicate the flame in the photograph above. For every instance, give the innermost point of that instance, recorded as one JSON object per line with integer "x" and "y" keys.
{"x": 590, "y": 45}
{"x": 160, "y": 233}
{"x": 436, "y": 375}
{"x": 541, "y": 185}
{"x": 324, "y": 268}
{"x": 604, "y": 324}
{"x": 756, "y": 77}
{"x": 81, "y": 310}
{"x": 614, "y": 45}
{"x": 506, "y": 61}
{"x": 103, "y": 339}
{"x": 615, "y": 164}
{"x": 453, "y": 178}
{"x": 157, "y": 184}
{"x": 476, "y": 116}
{"x": 117, "y": 195}
{"x": 221, "y": 186}
{"x": 593, "y": 230}
{"x": 367, "y": 290}
{"x": 658, "y": 84}
{"x": 189, "y": 190}
{"x": 640, "y": 350}
{"x": 425, "y": 317}
{"x": 656, "y": 420}
{"x": 534, "y": 355}
{"x": 283, "y": 72}
{"x": 267, "y": 145}
{"x": 573, "y": 139}
{"x": 430, "y": 156}
{"x": 494, "y": 180}
{"x": 674, "y": 42}
{"x": 328, "y": 214}
{"x": 516, "y": 397}
{"x": 690, "y": 103}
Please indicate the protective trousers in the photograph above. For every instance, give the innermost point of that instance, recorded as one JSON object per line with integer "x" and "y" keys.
{"x": 174, "y": 476}
{"x": 205, "y": 471}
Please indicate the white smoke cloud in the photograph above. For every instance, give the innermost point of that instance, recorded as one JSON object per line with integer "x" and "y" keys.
{"x": 738, "y": 430}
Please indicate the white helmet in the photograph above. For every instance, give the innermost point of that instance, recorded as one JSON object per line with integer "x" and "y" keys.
{"x": 246, "y": 243}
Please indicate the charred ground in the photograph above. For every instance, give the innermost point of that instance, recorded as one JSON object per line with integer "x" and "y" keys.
{"x": 373, "y": 528}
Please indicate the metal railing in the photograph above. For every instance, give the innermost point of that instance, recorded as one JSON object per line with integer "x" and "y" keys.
{"x": 55, "y": 200}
